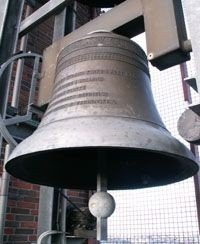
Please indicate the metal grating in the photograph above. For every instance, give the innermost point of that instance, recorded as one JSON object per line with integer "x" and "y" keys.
{"x": 166, "y": 214}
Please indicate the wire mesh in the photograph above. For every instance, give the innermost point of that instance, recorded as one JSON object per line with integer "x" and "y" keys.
{"x": 166, "y": 214}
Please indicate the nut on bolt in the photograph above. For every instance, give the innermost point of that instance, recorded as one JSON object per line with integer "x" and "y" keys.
{"x": 150, "y": 56}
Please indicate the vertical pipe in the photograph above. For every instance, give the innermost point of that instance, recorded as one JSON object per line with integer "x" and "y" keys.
{"x": 3, "y": 12}
{"x": 192, "y": 10}
{"x": 185, "y": 86}
{"x": 101, "y": 187}
{"x": 74, "y": 16}
{"x": 5, "y": 179}
{"x": 63, "y": 207}
{"x": 59, "y": 25}
{"x": 193, "y": 148}
{"x": 33, "y": 82}
{"x": 19, "y": 69}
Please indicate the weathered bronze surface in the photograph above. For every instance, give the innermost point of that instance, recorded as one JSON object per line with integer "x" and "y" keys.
{"x": 101, "y": 3}
{"x": 102, "y": 105}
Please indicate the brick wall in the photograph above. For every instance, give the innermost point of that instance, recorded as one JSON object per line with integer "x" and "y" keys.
{"x": 23, "y": 199}
{"x": 22, "y": 212}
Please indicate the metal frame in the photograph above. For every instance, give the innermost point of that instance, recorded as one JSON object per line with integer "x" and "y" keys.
{"x": 43, "y": 13}
{"x": 4, "y": 132}
{"x": 8, "y": 45}
{"x": 28, "y": 116}
{"x": 3, "y": 12}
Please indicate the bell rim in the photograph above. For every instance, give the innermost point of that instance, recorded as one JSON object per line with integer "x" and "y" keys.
{"x": 193, "y": 166}
{"x": 186, "y": 158}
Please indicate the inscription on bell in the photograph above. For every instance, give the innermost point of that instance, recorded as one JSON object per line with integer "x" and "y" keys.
{"x": 94, "y": 80}
{"x": 70, "y": 93}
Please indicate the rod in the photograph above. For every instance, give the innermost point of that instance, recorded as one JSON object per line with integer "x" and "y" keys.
{"x": 101, "y": 187}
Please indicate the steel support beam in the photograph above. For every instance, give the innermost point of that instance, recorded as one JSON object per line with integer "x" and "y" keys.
{"x": 40, "y": 15}
{"x": 3, "y": 12}
{"x": 101, "y": 187}
{"x": 7, "y": 46}
{"x": 165, "y": 30}
{"x": 192, "y": 11}
{"x": 161, "y": 20}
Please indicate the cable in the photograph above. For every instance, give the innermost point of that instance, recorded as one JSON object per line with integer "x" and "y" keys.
{"x": 73, "y": 204}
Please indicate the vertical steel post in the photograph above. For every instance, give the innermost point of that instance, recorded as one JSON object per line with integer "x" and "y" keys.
{"x": 3, "y": 12}
{"x": 193, "y": 148}
{"x": 33, "y": 82}
{"x": 192, "y": 11}
{"x": 5, "y": 179}
{"x": 101, "y": 187}
{"x": 20, "y": 64}
{"x": 8, "y": 46}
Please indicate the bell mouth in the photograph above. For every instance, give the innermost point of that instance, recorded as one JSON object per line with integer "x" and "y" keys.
{"x": 67, "y": 154}
{"x": 125, "y": 168}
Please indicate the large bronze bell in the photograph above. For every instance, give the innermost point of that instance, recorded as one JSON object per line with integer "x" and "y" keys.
{"x": 101, "y": 3}
{"x": 102, "y": 104}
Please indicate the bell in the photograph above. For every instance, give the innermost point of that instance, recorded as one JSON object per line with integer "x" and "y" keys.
{"x": 102, "y": 104}
{"x": 101, "y": 3}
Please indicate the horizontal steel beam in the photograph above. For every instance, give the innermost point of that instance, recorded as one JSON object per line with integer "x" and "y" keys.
{"x": 41, "y": 15}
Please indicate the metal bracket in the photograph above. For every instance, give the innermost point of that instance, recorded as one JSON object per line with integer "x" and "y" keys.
{"x": 41, "y": 15}
{"x": 192, "y": 82}
{"x": 195, "y": 108}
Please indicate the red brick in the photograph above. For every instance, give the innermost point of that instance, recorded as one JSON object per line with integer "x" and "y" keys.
{"x": 34, "y": 212}
{"x": 36, "y": 187}
{"x": 22, "y": 185}
{"x": 12, "y": 203}
{"x": 17, "y": 238}
{"x": 28, "y": 205}
{"x": 32, "y": 237}
{"x": 31, "y": 199}
{"x": 20, "y": 211}
{"x": 10, "y": 216}
{"x": 8, "y": 231}
{"x": 23, "y": 231}
{"x": 29, "y": 224}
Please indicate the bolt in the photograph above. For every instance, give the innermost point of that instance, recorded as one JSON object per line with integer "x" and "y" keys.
{"x": 150, "y": 56}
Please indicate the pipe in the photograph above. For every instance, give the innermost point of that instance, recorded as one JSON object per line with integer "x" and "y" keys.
{"x": 74, "y": 16}
{"x": 63, "y": 207}
{"x": 5, "y": 179}
{"x": 20, "y": 64}
{"x": 48, "y": 233}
